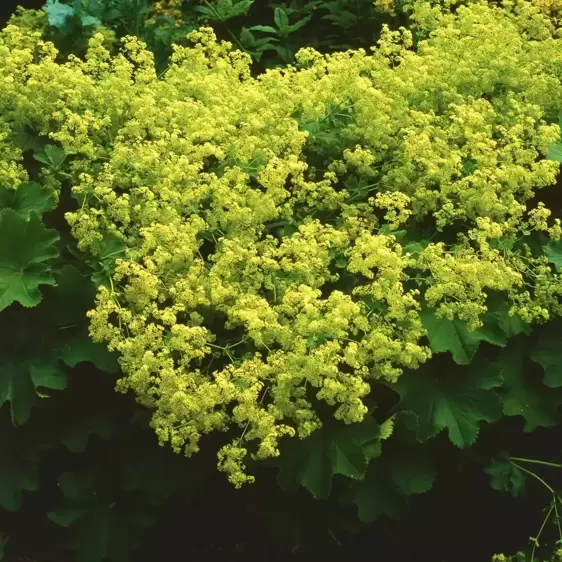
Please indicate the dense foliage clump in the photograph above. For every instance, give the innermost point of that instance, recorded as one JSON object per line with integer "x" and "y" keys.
{"x": 323, "y": 265}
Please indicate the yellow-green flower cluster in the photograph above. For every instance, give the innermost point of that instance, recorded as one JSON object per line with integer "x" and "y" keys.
{"x": 265, "y": 271}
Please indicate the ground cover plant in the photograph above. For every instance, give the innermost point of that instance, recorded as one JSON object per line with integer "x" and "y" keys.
{"x": 330, "y": 290}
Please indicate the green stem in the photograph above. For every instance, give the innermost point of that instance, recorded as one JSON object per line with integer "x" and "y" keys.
{"x": 556, "y": 514}
{"x": 536, "y": 542}
{"x": 536, "y": 476}
{"x": 533, "y": 461}
{"x": 236, "y": 40}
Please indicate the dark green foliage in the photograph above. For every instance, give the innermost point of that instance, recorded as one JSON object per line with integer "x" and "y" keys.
{"x": 87, "y": 456}
{"x": 457, "y": 400}
{"x": 506, "y": 477}
{"x": 312, "y": 463}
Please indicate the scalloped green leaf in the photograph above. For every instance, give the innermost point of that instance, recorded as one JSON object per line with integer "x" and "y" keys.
{"x": 81, "y": 349}
{"x": 101, "y": 525}
{"x": 75, "y": 436}
{"x": 58, "y": 13}
{"x": 453, "y": 336}
{"x": 523, "y": 393}
{"x": 19, "y": 471}
{"x": 67, "y": 303}
{"x": 313, "y": 462}
{"x": 498, "y": 314}
{"x": 553, "y": 251}
{"x": 26, "y": 199}
{"x": 555, "y": 152}
{"x": 506, "y": 477}
{"x": 159, "y": 473}
{"x": 21, "y": 383}
{"x": 27, "y": 247}
{"x": 107, "y": 251}
{"x": 458, "y": 401}
{"x": 547, "y": 352}
{"x": 403, "y": 469}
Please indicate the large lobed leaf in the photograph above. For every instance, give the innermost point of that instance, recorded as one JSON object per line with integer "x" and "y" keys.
{"x": 523, "y": 393}
{"x": 102, "y": 526}
{"x": 455, "y": 337}
{"x": 21, "y": 382}
{"x": 313, "y": 462}
{"x": 457, "y": 401}
{"x": 26, "y": 250}
{"x": 19, "y": 468}
{"x": 403, "y": 468}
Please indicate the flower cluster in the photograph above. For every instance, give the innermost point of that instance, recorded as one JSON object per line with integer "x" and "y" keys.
{"x": 265, "y": 271}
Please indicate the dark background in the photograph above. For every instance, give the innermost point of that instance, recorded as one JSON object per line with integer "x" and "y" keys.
{"x": 7, "y": 7}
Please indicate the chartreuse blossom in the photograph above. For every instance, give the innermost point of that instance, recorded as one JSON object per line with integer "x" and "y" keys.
{"x": 272, "y": 258}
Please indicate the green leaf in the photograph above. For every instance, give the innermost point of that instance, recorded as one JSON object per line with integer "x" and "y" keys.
{"x": 415, "y": 247}
{"x": 456, "y": 401}
{"x": 87, "y": 20}
{"x": 313, "y": 462}
{"x": 58, "y": 13}
{"x": 25, "y": 249}
{"x": 65, "y": 517}
{"x": 81, "y": 406}
{"x": 246, "y": 37}
{"x": 555, "y": 152}
{"x": 160, "y": 474}
{"x": 264, "y": 28}
{"x": 403, "y": 469}
{"x": 51, "y": 156}
{"x": 108, "y": 251}
{"x": 21, "y": 380}
{"x": 67, "y": 303}
{"x": 81, "y": 349}
{"x": 297, "y": 25}
{"x": 455, "y": 337}
{"x": 506, "y": 477}
{"x": 19, "y": 470}
{"x": 101, "y": 525}
{"x": 498, "y": 314}
{"x": 75, "y": 436}
{"x": 45, "y": 374}
{"x": 523, "y": 394}
{"x": 26, "y": 199}
{"x": 281, "y": 18}
{"x": 66, "y": 306}
{"x": 209, "y": 13}
{"x": 553, "y": 251}
{"x": 548, "y": 353}
{"x": 26, "y": 139}
{"x": 240, "y": 8}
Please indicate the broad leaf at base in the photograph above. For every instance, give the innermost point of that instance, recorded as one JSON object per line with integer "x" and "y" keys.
{"x": 100, "y": 525}
{"x": 455, "y": 337}
{"x": 19, "y": 470}
{"x": 548, "y": 353}
{"x": 26, "y": 247}
{"x": 505, "y": 477}
{"x": 523, "y": 393}
{"x": 403, "y": 469}
{"x": 457, "y": 401}
{"x": 314, "y": 461}
{"x": 20, "y": 382}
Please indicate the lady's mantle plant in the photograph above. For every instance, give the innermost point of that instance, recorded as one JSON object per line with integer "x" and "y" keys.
{"x": 288, "y": 240}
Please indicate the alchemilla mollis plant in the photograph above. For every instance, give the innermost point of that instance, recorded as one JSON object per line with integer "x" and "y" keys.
{"x": 274, "y": 255}
{"x": 271, "y": 264}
